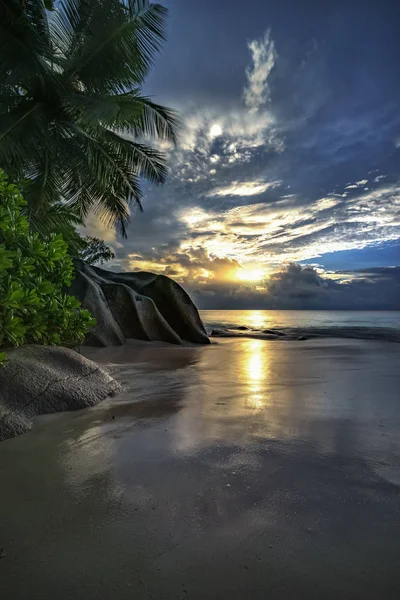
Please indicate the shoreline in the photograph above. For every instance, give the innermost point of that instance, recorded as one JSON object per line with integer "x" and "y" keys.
{"x": 270, "y": 469}
{"x": 307, "y": 333}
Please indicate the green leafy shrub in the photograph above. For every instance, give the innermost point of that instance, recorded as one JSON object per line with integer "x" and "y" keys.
{"x": 33, "y": 273}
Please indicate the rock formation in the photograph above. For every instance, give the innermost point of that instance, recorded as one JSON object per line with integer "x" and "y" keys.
{"x": 37, "y": 380}
{"x": 136, "y": 305}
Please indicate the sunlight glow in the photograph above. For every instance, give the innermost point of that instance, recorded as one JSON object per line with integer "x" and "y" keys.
{"x": 259, "y": 319}
{"x": 244, "y": 188}
{"x": 250, "y": 274}
{"x": 256, "y": 365}
{"x": 195, "y": 216}
{"x": 215, "y": 131}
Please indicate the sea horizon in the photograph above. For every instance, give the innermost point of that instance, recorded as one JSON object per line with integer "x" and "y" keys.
{"x": 356, "y": 310}
{"x": 382, "y": 325}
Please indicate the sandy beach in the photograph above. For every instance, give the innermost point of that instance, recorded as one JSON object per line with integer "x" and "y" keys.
{"x": 247, "y": 469}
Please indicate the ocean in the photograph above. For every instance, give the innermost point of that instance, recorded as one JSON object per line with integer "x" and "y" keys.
{"x": 384, "y": 325}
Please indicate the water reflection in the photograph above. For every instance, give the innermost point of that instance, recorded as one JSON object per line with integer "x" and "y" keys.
{"x": 243, "y": 393}
{"x": 255, "y": 367}
{"x": 257, "y": 319}
{"x": 255, "y": 374}
{"x": 251, "y": 390}
{"x": 209, "y": 482}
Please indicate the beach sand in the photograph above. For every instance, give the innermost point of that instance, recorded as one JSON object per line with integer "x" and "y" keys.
{"x": 246, "y": 469}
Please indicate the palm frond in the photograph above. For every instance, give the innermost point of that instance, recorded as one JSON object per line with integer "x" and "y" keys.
{"x": 21, "y": 136}
{"x": 24, "y": 50}
{"x": 113, "y": 111}
{"x": 140, "y": 159}
{"x": 116, "y": 49}
{"x": 96, "y": 177}
{"x": 57, "y": 217}
{"x": 68, "y": 26}
{"x": 157, "y": 121}
{"x": 43, "y": 188}
{"x": 130, "y": 114}
{"x": 73, "y": 121}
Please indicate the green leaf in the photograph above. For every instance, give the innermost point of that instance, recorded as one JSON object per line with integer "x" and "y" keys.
{"x": 45, "y": 287}
{"x": 16, "y": 296}
{"x": 33, "y": 306}
{"x": 5, "y": 258}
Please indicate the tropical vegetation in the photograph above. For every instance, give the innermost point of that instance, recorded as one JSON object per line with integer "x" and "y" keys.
{"x": 33, "y": 272}
{"x": 76, "y": 136}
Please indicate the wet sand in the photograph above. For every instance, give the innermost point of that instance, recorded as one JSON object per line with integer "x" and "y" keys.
{"x": 247, "y": 469}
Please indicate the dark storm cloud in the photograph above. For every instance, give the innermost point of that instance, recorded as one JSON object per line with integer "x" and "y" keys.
{"x": 302, "y": 288}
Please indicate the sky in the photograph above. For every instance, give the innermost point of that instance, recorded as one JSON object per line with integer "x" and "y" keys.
{"x": 284, "y": 189}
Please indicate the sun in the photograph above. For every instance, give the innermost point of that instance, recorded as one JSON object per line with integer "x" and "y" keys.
{"x": 250, "y": 274}
{"x": 215, "y": 131}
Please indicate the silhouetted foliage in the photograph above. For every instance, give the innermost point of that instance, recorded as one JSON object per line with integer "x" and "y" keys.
{"x": 93, "y": 250}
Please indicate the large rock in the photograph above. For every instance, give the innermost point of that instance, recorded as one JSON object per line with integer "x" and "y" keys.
{"x": 136, "y": 305}
{"x": 37, "y": 380}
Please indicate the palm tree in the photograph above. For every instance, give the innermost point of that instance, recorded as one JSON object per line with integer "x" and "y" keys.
{"x": 73, "y": 122}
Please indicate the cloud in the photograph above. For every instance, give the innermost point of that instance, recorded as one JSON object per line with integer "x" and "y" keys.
{"x": 297, "y": 286}
{"x": 268, "y": 177}
{"x": 264, "y": 235}
{"x": 225, "y": 136}
{"x": 194, "y": 266}
{"x": 95, "y": 227}
{"x": 244, "y": 188}
{"x": 294, "y": 287}
{"x": 264, "y": 56}
{"x": 289, "y": 230}
{"x": 239, "y": 131}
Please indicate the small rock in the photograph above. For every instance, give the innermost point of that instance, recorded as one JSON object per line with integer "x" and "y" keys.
{"x": 217, "y": 332}
{"x": 112, "y": 416}
{"x": 273, "y": 332}
{"x": 302, "y": 338}
{"x": 242, "y": 328}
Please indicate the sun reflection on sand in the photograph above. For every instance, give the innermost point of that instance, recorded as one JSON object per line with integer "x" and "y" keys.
{"x": 256, "y": 367}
